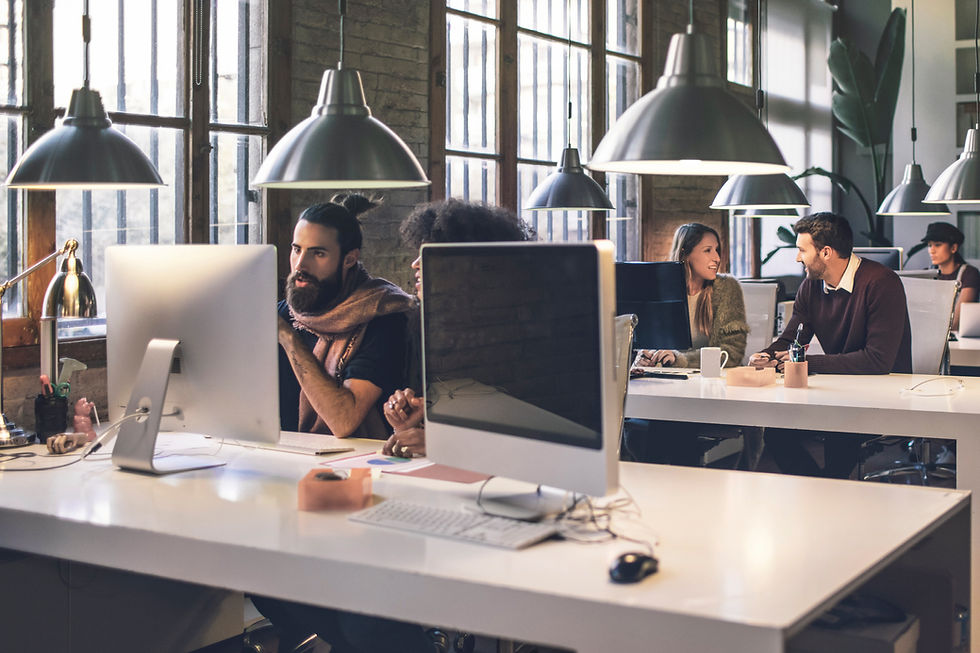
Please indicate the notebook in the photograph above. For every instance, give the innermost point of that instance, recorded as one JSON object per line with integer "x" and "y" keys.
{"x": 313, "y": 444}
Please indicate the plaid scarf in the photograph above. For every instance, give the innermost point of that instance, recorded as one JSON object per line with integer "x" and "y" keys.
{"x": 340, "y": 329}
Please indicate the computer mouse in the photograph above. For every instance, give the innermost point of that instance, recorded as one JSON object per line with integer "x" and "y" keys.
{"x": 632, "y": 567}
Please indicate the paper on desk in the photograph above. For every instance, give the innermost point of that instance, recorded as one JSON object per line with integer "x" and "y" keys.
{"x": 420, "y": 467}
{"x": 379, "y": 461}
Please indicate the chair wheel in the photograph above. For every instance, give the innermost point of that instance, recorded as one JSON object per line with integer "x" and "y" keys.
{"x": 464, "y": 643}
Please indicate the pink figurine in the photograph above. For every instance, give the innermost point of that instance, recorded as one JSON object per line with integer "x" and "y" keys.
{"x": 82, "y": 419}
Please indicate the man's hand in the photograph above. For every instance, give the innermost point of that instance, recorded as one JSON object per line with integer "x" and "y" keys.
{"x": 403, "y": 410}
{"x": 762, "y": 359}
{"x": 406, "y": 444}
{"x": 654, "y": 357}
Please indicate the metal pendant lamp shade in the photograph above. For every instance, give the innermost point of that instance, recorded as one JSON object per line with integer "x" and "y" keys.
{"x": 758, "y": 191}
{"x": 84, "y": 152}
{"x": 570, "y": 188}
{"x": 341, "y": 145}
{"x": 906, "y": 198}
{"x": 690, "y": 124}
{"x": 765, "y": 212}
{"x": 960, "y": 182}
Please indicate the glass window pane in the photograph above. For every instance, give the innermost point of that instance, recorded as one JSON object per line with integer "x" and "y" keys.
{"x": 623, "y": 224}
{"x": 739, "y": 43}
{"x": 623, "y": 87}
{"x": 235, "y": 210}
{"x": 471, "y": 85}
{"x": 551, "y": 17}
{"x": 238, "y": 60}
{"x": 11, "y": 217}
{"x": 486, "y": 8}
{"x": 543, "y": 99}
{"x": 622, "y": 26}
{"x": 12, "y": 51}
{"x": 570, "y": 226}
{"x": 101, "y": 218}
{"x": 471, "y": 179}
{"x": 136, "y": 54}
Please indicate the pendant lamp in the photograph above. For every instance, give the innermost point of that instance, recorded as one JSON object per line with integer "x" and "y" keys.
{"x": 84, "y": 151}
{"x": 765, "y": 212}
{"x": 760, "y": 192}
{"x": 906, "y": 198}
{"x": 341, "y": 145}
{"x": 570, "y": 188}
{"x": 960, "y": 182}
{"x": 690, "y": 124}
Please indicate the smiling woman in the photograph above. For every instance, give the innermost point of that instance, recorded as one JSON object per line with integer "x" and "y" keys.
{"x": 715, "y": 304}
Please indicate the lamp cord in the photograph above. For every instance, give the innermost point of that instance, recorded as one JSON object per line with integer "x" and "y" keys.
{"x": 760, "y": 95}
{"x": 691, "y": 13}
{"x": 86, "y": 37}
{"x": 342, "y": 7}
{"x": 976, "y": 55}
{"x": 568, "y": 70}
{"x": 914, "y": 133}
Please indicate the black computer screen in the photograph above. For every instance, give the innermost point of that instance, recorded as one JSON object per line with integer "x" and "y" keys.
{"x": 511, "y": 340}
{"x": 890, "y": 257}
{"x": 657, "y": 294}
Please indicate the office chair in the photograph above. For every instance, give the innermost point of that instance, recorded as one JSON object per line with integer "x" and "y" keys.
{"x": 930, "y": 303}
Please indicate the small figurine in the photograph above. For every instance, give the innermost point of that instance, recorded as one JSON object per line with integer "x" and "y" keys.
{"x": 66, "y": 442}
{"x": 82, "y": 419}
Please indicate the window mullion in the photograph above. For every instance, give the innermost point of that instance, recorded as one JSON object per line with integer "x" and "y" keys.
{"x": 507, "y": 134}
{"x": 38, "y": 82}
{"x": 200, "y": 147}
{"x": 599, "y": 93}
{"x": 437, "y": 99}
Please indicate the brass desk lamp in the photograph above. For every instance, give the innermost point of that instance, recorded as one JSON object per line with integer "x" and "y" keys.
{"x": 70, "y": 294}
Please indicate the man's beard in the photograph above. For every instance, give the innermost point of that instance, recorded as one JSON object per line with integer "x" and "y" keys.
{"x": 315, "y": 296}
{"x": 814, "y": 272}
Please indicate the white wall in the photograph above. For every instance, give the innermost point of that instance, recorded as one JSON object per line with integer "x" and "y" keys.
{"x": 935, "y": 109}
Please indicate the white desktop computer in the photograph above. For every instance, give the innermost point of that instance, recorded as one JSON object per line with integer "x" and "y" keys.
{"x": 519, "y": 362}
{"x": 191, "y": 346}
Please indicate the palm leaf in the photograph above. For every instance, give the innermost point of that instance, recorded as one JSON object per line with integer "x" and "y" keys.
{"x": 888, "y": 74}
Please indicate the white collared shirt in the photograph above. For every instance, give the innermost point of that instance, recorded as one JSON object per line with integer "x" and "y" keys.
{"x": 847, "y": 279}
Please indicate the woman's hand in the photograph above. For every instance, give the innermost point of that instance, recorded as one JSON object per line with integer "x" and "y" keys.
{"x": 409, "y": 443}
{"x": 403, "y": 410}
{"x": 654, "y": 357}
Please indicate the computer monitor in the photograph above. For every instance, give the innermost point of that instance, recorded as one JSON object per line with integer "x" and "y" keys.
{"x": 191, "y": 345}
{"x": 657, "y": 294}
{"x": 518, "y": 362}
{"x": 890, "y": 257}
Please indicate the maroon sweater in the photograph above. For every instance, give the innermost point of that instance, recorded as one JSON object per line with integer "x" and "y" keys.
{"x": 863, "y": 332}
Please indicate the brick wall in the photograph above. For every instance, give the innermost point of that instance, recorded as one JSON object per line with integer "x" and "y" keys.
{"x": 677, "y": 200}
{"x": 388, "y": 42}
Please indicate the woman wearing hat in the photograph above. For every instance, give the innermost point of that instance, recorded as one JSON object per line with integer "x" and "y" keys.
{"x": 944, "y": 242}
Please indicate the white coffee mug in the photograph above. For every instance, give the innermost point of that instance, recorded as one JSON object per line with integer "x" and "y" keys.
{"x": 712, "y": 360}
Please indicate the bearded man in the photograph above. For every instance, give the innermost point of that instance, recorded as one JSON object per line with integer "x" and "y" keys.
{"x": 341, "y": 331}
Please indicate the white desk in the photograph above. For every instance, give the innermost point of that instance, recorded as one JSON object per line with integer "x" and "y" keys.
{"x": 833, "y": 402}
{"x": 965, "y": 352}
{"x": 746, "y": 559}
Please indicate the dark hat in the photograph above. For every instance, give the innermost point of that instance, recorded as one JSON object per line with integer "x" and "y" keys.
{"x": 943, "y": 232}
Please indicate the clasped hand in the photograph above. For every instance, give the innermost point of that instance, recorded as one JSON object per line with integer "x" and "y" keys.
{"x": 654, "y": 357}
{"x": 762, "y": 359}
{"x": 403, "y": 410}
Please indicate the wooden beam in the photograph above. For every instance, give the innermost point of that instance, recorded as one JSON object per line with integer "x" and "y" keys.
{"x": 437, "y": 100}
{"x": 278, "y": 210}
{"x": 507, "y": 107}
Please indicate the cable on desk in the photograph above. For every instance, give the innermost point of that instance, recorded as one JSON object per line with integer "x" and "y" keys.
{"x": 952, "y": 386}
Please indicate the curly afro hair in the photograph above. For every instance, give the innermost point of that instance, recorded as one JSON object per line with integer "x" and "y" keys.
{"x": 456, "y": 221}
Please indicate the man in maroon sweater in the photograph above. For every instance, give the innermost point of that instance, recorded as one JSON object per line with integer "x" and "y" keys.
{"x": 857, "y": 309}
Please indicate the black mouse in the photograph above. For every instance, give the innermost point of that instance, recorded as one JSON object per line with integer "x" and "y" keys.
{"x": 632, "y": 567}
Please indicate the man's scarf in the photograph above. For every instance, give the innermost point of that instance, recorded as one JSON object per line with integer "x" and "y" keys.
{"x": 340, "y": 329}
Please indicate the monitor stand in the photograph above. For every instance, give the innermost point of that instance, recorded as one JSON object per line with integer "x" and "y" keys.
{"x": 535, "y": 504}
{"x": 137, "y": 437}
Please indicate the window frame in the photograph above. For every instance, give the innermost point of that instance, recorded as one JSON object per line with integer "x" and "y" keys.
{"x": 20, "y": 334}
{"x": 507, "y": 93}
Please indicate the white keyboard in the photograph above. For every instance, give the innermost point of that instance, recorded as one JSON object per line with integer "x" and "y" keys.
{"x": 456, "y": 524}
